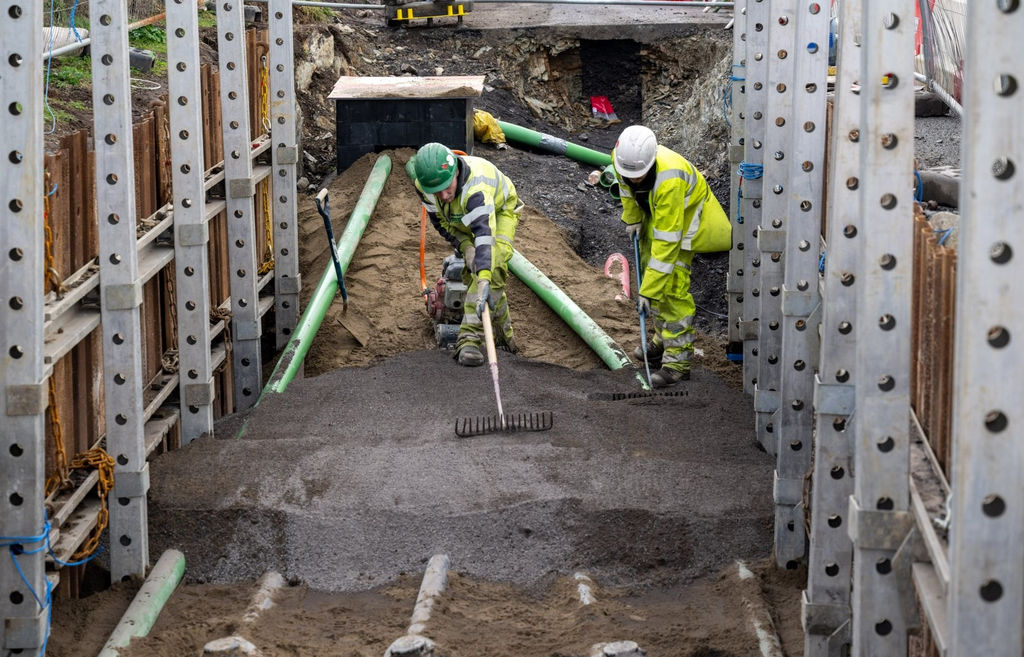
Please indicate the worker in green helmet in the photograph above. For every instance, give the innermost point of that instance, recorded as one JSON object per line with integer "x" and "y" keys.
{"x": 474, "y": 206}
{"x": 668, "y": 205}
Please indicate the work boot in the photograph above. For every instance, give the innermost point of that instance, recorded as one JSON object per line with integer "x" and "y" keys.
{"x": 511, "y": 346}
{"x": 470, "y": 356}
{"x": 654, "y": 352}
{"x": 666, "y": 377}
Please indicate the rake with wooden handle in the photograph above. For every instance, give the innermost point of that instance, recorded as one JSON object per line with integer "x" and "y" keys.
{"x": 500, "y": 423}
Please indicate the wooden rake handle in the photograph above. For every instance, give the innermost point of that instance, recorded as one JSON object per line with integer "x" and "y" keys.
{"x": 492, "y": 356}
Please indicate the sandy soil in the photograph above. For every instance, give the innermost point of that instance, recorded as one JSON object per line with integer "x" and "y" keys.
{"x": 385, "y": 316}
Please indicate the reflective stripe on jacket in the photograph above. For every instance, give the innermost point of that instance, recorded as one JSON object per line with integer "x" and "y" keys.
{"x": 685, "y": 216}
{"x": 482, "y": 194}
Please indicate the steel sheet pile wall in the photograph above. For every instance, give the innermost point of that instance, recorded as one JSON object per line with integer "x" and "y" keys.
{"x": 934, "y": 315}
{"x": 916, "y": 535}
{"x": 138, "y": 170}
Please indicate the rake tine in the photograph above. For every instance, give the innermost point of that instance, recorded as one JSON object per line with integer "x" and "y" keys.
{"x": 478, "y": 426}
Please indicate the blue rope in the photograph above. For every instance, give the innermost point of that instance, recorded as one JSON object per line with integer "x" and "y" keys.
{"x": 945, "y": 234}
{"x": 919, "y": 188}
{"x": 71, "y": 22}
{"x": 16, "y": 547}
{"x": 750, "y": 171}
{"x": 821, "y": 263}
{"x": 727, "y": 93}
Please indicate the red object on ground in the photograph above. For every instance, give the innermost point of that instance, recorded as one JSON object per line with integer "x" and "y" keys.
{"x": 602, "y": 108}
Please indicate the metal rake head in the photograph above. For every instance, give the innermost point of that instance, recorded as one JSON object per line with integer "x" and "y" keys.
{"x": 477, "y": 426}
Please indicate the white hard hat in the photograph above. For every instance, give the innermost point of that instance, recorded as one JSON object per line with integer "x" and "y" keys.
{"x": 635, "y": 151}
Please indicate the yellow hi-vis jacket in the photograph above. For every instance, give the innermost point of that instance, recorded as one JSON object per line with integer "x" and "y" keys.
{"x": 685, "y": 216}
{"x": 484, "y": 213}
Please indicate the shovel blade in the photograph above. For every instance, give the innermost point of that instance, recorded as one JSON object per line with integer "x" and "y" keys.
{"x": 478, "y": 426}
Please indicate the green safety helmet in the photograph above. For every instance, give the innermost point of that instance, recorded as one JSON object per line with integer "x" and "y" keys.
{"x": 435, "y": 167}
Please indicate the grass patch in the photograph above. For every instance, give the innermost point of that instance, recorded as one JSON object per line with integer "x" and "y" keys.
{"x": 149, "y": 37}
{"x": 66, "y": 72}
{"x": 312, "y": 14}
{"x": 207, "y": 19}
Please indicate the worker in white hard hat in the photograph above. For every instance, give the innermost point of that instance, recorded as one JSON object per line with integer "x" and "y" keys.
{"x": 667, "y": 202}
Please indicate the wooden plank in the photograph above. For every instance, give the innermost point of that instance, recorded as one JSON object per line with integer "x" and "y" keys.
{"x": 353, "y": 87}
{"x": 92, "y": 232}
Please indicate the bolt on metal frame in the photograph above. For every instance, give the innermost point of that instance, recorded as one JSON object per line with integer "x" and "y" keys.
{"x": 191, "y": 225}
{"x": 738, "y": 102}
{"x": 801, "y": 301}
{"x": 753, "y": 156}
{"x": 879, "y": 521}
{"x": 23, "y": 398}
{"x": 120, "y": 289}
{"x": 239, "y": 190}
{"x": 986, "y": 609}
{"x": 285, "y": 155}
{"x": 826, "y": 601}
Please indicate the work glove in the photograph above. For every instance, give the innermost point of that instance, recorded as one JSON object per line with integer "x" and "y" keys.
{"x": 643, "y": 306}
{"x": 483, "y": 289}
{"x": 632, "y": 230}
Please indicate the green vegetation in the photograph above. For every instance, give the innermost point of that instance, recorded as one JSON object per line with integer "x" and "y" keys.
{"x": 66, "y": 72}
{"x": 149, "y": 37}
{"x": 207, "y": 19}
{"x": 312, "y": 14}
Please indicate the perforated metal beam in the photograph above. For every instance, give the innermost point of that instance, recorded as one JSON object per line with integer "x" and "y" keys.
{"x": 801, "y": 303}
{"x": 752, "y": 183}
{"x": 285, "y": 155}
{"x": 239, "y": 188}
{"x": 120, "y": 289}
{"x": 879, "y": 520}
{"x": 23, "y": 389}
{"x": 191, "y": 231}
{"x": 986, "y": 606}
{"x": 738, "y": 98}
{"x": 826, "y": 601}
{"x": 771, "y": 233}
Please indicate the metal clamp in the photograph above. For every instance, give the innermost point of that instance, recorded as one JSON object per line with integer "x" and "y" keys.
{"x": 29, "y": 399}
{"x": 787, "y": 491}
{"x": 193, "y": 234}
{"x": 241, "y": 188}
{"x": 878, "y": 530}
{"x": 797, "y": 303}
{"x": 766, "y": 401}
{"x": 287, "y": 154}
{"x": 198, "y": 394}
{"x": 822, "y": 619}
{"x": 771, "y": 240}
{"x": 289, "y": 284}
{"x": 833, "y": 398}
{"x": 131, "y": 483}
{"x": 122, "y": 297}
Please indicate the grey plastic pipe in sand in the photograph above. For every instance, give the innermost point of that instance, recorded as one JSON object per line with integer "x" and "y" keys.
{"x": 607, "y": 349}
{"x": 142, "y": 613}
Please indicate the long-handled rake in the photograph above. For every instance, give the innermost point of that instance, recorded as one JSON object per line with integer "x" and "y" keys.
{"x": 500, "y": 423}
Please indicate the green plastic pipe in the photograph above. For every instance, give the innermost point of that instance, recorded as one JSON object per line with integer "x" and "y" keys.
{"x": 141, "y": 614}
{"x": 607, "y": 349}
{"x": 290, "y": 362}
{"x": 554, "y": 145}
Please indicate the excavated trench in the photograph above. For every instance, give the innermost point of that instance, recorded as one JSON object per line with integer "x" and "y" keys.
{"x": 352, "y": 478}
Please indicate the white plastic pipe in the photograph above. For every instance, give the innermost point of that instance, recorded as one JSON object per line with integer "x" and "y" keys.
{"x": 435, "y": 581}
{"x": 757, "y": 613}
{"x": 142, "y": 613}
